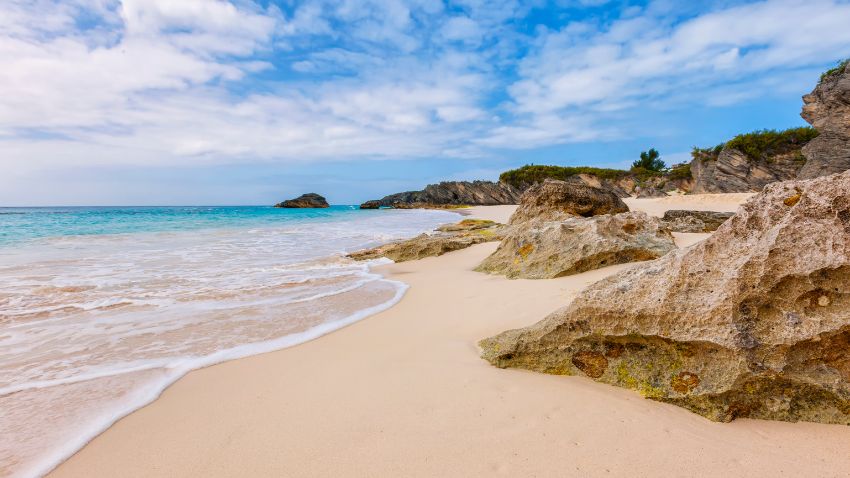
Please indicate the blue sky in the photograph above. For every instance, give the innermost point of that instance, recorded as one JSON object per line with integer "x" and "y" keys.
{"x": 243, "y": 102}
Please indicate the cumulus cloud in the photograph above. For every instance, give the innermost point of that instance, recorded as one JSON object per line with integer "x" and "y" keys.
{"x": 194, "y": 82}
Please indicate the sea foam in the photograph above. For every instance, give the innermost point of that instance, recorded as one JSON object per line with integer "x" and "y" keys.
{"x": 95, "y": 326}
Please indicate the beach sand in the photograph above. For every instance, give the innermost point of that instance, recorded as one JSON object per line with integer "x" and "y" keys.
{"x": 404, "y": 393}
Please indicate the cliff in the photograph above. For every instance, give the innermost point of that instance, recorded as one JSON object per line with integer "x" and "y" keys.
{"x": 827, "y": 108}
{"x": 749, "y": 162}
{"x": 451, "y": 193}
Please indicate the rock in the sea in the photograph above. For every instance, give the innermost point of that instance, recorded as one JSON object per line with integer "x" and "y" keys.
{"x": 540, "y": 249}
{"x": 827, "y": 108}
{"x": 371, "y": 205}
{"x": 309, "y": 200}
{"x": 752, "y": 322}
{"x": 554, "y": 200}
{"x": 474, "y": 193}
{"x": 448, "y": 238}
{"x": 679, "y": 220}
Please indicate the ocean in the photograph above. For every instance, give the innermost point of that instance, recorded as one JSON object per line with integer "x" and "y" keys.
{"x": 101, "y": 308}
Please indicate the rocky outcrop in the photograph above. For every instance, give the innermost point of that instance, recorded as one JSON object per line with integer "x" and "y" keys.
{"x": 448, "y": 238}
{"x": 732, "y": 171}
{"x": 371, "y": 205}
{"x": 553, "y": 200}
{"x": 309, "y": 200}
{"x": 827, "y": 108}
{"x": 474, "y": 193}
{"x": 541, "y": 249}
{"x": 752, "y": 322}
{"x": 679, "y": 220}
{"x": 623, "y": 187}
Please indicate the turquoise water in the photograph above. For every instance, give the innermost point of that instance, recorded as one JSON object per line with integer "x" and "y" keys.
{"x": 22, "y": 224}
{"x": 101, "y": 308}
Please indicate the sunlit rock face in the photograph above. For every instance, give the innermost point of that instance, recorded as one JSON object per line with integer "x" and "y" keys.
{"x": 827, "y": 108}
{"x": 752, "y": 322}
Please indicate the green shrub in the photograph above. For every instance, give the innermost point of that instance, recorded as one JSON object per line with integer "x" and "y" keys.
{"x": 642, "y": 174}
{"x": 531, "y": 174}
{"x": 838, "y": 68}
{"x": 762, "y": 145}
{"x": 682, "y": 171}
{"x": 649, "y": 160}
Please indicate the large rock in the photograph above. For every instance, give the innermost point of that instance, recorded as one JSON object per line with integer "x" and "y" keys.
{"x": 732, "y": 171}
{"x": 448, "y": 238}
{"x": 680, "y": 220}
{"x": 373, "y": 204}
{"x": 553, "y": 200}
{"x": 309, "y": 200}
{"x": 540, "y": 249}
{"x": 474, "y": 193}
{"x": 752, "y": 322}
{"x": 827, "y": 108}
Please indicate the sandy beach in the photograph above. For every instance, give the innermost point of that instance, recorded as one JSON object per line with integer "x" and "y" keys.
{"x": 404, "y": 393}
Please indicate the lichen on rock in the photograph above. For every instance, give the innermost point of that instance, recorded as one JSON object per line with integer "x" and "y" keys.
{"x": 752, "y": 322}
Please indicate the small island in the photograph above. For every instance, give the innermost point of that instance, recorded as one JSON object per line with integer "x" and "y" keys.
{"x": 309, "y": 200}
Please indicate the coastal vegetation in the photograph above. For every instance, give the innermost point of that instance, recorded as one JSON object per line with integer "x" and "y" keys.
{"x": 762, "y": 145}
{"x": 650, "y": 161}
{"x": 533, "y": 174}
{"x": 680, "y": 172}
{"x": 832, "y": 71}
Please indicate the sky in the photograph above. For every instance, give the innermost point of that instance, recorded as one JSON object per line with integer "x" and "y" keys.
{"x": 217, "y": 102}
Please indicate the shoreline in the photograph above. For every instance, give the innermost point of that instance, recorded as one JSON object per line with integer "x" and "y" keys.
{"x": 404, "y": 392}
{"x": 42, "y": 444}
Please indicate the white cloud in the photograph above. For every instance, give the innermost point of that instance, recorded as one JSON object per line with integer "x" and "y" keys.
{"x": 650, "y": 59}
{"x": 196, "y": 82}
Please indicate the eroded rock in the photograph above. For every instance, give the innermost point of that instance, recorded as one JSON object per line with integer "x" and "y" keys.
{"x": 752, "y": 322}
{"x": 309, "y": 200}
{"x": 732, "y": 171}
{"x": 448, "y": 238}
{"x": 554, "y": 200}
{"x": 451, "y": 193}
{"x": 827, "y": 108}
{"x": 540, "y": 249}
{"x": 679, "y": 220}
{"x": 373, "y": 204}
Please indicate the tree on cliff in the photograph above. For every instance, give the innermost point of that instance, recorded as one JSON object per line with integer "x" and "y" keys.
{"x": 649, "y": 161}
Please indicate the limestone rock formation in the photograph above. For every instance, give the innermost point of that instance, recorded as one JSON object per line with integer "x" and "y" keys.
{"x": 623, "y": 187}
{"x": 553, "y": 200}
{"x": 679, "y": 220}
{"x": 732, "y": 171}
{"x": 309, "y": 200}
{"x": 448, "y": 238}
{"x": 467, "y": 225}
{"x": 474, "y": 193}
{"x": 752, "y": 322}
{"x": 622, "y": 183}
{"x": 827, "y": 108}
{"x": 371, "y": 205}
{"x": 541, "y": 249}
